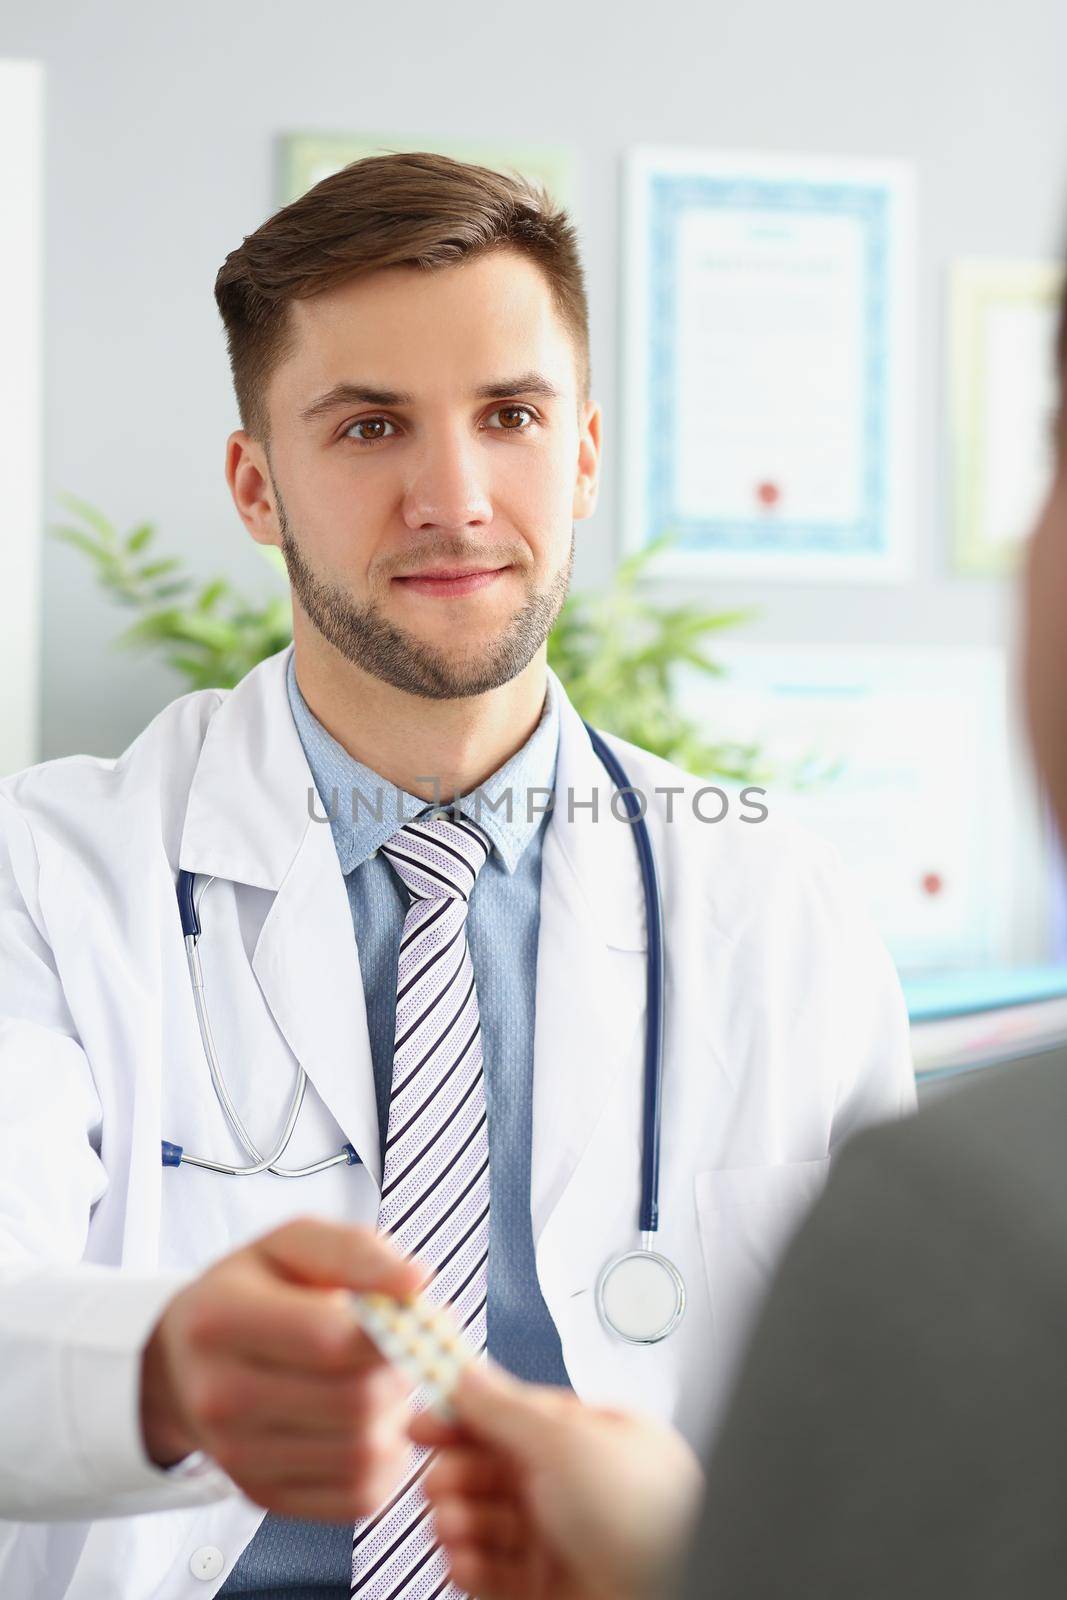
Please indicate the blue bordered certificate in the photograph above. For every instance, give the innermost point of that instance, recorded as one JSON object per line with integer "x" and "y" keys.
{"x": 769, "y": 332}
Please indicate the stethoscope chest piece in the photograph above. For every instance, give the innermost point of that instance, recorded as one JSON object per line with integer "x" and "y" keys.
{"x": 640, "y": 1297}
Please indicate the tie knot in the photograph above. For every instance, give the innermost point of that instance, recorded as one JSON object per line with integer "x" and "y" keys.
{"x": 437, "y": 858}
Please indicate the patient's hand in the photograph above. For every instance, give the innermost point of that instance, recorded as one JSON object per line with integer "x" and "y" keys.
{"x": 537, "y": 1495}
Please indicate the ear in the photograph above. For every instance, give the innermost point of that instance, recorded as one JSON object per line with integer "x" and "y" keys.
{"x": 587, "y": 482}
{"x": 248, "y": 475}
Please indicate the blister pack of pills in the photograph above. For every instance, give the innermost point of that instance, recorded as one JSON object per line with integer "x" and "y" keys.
{"x": 422, "y": 1341}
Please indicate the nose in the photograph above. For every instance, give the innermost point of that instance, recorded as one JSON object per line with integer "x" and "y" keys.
{"x": 446, "y": 488}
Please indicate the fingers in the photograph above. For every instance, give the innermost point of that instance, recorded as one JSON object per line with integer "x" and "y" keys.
{"x": 343, "y": 1464}
{"x": 250, "y": 1400}
{"x": 326, "y": 1502}
{"x": 488, "y": 1553}
{"x": 309, "y": 1250}
{"x": 275, "y": 1323}
{"x": 493, "y": 1526}
{"x": 426, "y": 1427}
{"x": 467, "y": 1471}
{"x": 521, "y": 1419}
{"x": 306, "y": 1446}
{"x": 263, "y": 1363}
{"x": 491, "y": 1549}
{"x": 489, "y": 1577}
{"x": 528, "y": 1574}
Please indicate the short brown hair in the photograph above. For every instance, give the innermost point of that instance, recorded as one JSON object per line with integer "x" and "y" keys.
{"x": 398, "y": 210}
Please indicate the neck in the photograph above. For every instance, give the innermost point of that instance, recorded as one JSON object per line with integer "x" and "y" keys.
{"x": 409, "y": 740}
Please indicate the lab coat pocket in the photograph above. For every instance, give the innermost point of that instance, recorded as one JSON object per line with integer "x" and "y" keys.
{"x": 747, "y": 1216}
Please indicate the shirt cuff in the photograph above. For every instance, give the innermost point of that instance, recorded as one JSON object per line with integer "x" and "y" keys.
{"x": 101, "y": 1383}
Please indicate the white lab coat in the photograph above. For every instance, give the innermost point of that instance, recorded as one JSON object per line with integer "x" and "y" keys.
{"x": 785, "y": 1031}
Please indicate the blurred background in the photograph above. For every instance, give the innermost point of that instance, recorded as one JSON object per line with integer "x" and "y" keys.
{"x": 823, "y": 248}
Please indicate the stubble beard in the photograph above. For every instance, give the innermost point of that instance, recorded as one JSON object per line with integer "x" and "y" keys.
{"x": 397, "y": 657}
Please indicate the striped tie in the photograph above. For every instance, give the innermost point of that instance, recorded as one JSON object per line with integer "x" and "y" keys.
{"x": 435, "y": 1176}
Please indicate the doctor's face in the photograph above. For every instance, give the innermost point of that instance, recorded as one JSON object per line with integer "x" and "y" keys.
{"x": 429, "y": 455}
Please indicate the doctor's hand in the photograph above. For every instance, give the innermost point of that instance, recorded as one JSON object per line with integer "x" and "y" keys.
{"x": 261, "y": 1363}
{"x": 539, "y": 1497}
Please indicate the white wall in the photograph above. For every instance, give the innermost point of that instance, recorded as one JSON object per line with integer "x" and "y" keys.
{"x": 160, "y": 125}
{"x": 21, "y": 122}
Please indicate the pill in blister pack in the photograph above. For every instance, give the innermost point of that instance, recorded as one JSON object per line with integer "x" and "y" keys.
{"x": 423, "y": 1342}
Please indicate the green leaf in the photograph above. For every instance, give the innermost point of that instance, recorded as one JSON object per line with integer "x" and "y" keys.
{"x": 167, "y": 591}
{"x": 81, "y": 539}
{"x": 92, "y": 516}
{"x": 155, "y": 569}
{"x": 140, "y": 537}
{"x": 212, "y": 594}
{"x": 697, "y": 658}
{"x": 157, "y": 625}
{"x": 192, "y": 666}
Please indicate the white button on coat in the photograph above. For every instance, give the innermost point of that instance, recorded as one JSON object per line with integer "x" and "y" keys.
{"x": 207, "y": 1562}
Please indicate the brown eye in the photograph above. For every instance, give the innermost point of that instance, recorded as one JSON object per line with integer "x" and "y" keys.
{"x": 514, "y": 419}
{"x": 368, "y": 430}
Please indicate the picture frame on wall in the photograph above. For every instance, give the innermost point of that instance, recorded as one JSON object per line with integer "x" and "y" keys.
{"x": 1003, "y": 395}
{"x": 768, "y": 315}
{"x": 854, "y": 740}
{"x": 304, "y": 159}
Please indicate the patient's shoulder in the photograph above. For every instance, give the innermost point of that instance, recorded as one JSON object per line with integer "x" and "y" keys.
{"x": 988, "y": 1158}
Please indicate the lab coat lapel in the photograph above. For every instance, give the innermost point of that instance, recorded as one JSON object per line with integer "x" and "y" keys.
{"x": 248, "y": 822}
{"x": 590, "y": 1012}
{"x": 307, "y": 965}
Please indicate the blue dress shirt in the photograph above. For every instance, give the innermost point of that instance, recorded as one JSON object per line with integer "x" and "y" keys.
{"x": 292, "y": 1560}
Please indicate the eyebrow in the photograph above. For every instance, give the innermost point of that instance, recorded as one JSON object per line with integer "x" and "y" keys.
{"x": 359, "y": 394}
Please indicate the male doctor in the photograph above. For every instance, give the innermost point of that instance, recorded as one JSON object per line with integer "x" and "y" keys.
{"x": 187, "y": 1405}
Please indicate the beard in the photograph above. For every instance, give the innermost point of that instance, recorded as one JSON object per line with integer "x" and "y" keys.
{"x": 364, "y": 636}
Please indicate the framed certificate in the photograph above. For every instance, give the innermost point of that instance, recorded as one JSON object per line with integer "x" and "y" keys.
{"x": 306, "y": 158}
{"x": 1003, "y": 391}
{"x": 769, "y": 332}
{"x": 906, "y": 759}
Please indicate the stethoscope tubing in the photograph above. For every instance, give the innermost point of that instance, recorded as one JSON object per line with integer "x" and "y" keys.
{"x": 174, "y": 1155}
{"x": 189, "y": 913}
{"x": 653, "y": 1102}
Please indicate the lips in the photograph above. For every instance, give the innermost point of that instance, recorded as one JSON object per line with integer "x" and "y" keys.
{"x": 448, "y": 572}
{"x": 450, "y": 581}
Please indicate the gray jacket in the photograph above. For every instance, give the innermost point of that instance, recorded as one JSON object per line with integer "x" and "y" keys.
{"x": 900, "y": 1426}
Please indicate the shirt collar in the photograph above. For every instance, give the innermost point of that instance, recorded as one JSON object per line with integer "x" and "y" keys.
{"x": 384, "y": 808}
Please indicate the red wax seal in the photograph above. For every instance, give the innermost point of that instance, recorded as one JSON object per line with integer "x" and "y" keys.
{"x": 768, "y": 494}
{"x": 932, "y": 882}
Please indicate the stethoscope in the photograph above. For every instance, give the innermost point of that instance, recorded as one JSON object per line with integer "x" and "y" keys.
{"x": 640, "y": 1294}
